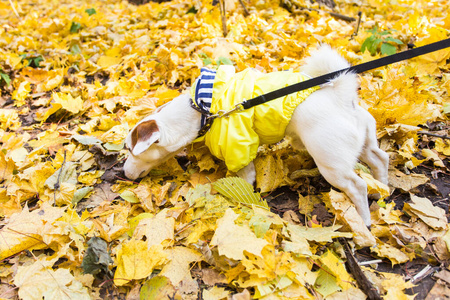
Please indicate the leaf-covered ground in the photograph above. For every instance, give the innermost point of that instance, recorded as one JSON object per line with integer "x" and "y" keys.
{"x": 76, "y": 75}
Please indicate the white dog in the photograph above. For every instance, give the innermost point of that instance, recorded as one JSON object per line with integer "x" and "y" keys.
{"x": 329, "y": 124}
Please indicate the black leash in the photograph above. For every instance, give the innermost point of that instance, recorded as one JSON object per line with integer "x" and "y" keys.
{"x": 381, "y": 62}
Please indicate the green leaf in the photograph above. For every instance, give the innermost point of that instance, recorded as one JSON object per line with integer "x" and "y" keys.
{"x": 385, "y": 32}
{"x": 35, "y": 61}
{"x": 394, "y": 40}
{"x": 81, "y": 193}
{"x": 381, "y": 203}
{"x": 75, "y": 27}
{"x": 130, "y": 197}
{"x": 5, "y": 78}
{"x": 388, "y": 49}
{"x": 91, "y": 11}
{"x": 373, "y": 48}
{"x": 114, "y": 147}
{"x": 239, "y": 190}
{"x": 205, "y": 58}
{"x": 75, "y": 49}
{"x": 224, "y": 61}
{"x": 86, "y": 139}
{"x": 192, "y": 10}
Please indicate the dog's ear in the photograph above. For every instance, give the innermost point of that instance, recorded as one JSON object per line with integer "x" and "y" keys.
{"x": 143, "y": 136}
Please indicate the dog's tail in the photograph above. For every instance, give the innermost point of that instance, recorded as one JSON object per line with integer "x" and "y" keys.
{"x": 326, "y": 60}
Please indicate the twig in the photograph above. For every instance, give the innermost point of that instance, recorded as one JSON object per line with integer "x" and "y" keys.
{"x": 361, "y": 279}
{"x": 14, "y": 8}
{"x": 342, "y": 17}
{"x": 355, "y": 33}
{"x": 443, "y": 136}
{"x": 224, "y": 17}
{"x": 288, "y": 6}
{"x": 57, "y": 185}
{"x": 422, "y": 274}
{"x": 369, "y": 262}
{"x": 246, "y": 12}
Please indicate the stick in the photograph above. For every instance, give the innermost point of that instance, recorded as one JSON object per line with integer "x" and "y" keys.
{"x": 246, "y": 12}
{"x": 361, "y": 279}
{"x": 342, "y": 17}
{"x": 224, "y": 17}
{"x": 14, "y": 8}
{"x": 289, "y": 6}
{"x": 435, "y": 135}
{"x": 355, "y": 33}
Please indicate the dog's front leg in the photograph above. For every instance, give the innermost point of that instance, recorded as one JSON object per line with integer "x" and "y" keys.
{"x": 248, "y": 173}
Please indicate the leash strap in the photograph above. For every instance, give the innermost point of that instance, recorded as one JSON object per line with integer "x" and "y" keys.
{"x": 381, "y": 62}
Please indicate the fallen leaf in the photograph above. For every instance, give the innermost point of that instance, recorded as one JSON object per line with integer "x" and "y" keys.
{"x": 135, "y": 260}
{"x": 423, "y": 209}
{"x": 405, "y": 182}
{"x": 232, "y": 240}
{"x": 178, "y": 269}
{"x": 40, "y": 281}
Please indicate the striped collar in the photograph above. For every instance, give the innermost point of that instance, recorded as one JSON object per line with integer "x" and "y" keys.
{"x": 203, "y": 93}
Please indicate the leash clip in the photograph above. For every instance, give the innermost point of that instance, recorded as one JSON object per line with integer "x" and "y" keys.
{"x": 224, "y": 113}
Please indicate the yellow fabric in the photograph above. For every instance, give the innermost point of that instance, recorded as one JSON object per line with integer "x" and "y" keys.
{"x": 236, "y": 138}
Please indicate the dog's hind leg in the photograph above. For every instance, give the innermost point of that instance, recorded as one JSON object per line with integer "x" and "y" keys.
{"x": 335, "y": 143}
{"x": 348, "y": 182}
{"x": 372, "y": 155}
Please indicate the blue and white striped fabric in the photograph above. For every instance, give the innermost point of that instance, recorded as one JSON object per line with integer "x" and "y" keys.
{"x": 204, "y": 91}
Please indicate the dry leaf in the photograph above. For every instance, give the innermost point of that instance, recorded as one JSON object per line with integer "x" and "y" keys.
{"x": 232, "y": 240}
{"x": 423, "y": 209}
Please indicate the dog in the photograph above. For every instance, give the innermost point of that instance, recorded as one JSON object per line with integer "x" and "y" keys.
{"x": 329, "y": 124}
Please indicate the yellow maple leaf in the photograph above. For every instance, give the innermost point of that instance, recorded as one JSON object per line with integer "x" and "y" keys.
{"x": 431, "y": 62}
{"x": 9, "y": 119}
{"x": 24, "y": 230}
{"x": 90, "y": 178}
{"x": 157, "y": 230}
{"x": 39, "y": 280}
{"x": 7, "y": 167}
{"x": 317, "y": 234}
{"x": 54, "y": 79}
{"x": 108, "y": 61}
{"x": 178, "y": 268}
{"x": 442, "y": 146}
{"x": 67, "y": 102}
{"x": 21, "y": 93}
{"x": 334, "y": 265}
{"x": 424, "y": 209}
{"x": 165, "y": 95}
{"x": 400, "y": 180}
{"x": 396, "y": 256}
{"x": 215, "y": 293}
{"x": 135, "y": 260}
{"x": 232, "y": 239}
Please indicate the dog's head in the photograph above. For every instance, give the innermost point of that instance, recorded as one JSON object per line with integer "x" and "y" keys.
{"x": 160, "y": 136}
{"x": 145, "y": 152}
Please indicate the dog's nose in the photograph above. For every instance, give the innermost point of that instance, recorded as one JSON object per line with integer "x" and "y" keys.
{"x": 128, "y": 174}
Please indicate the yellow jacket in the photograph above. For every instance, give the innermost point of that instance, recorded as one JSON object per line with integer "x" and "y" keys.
{"x": 236, "y": 138}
